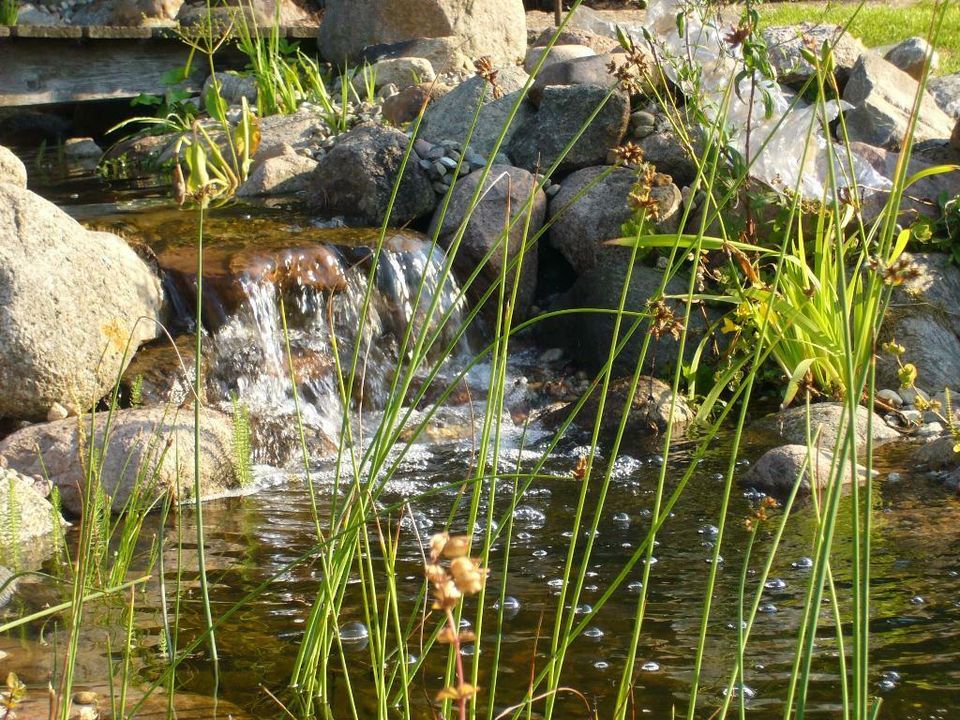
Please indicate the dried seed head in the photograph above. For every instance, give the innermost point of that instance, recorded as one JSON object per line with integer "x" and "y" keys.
{"x": 456, "y": 546}
{"x": 437, "y": 543}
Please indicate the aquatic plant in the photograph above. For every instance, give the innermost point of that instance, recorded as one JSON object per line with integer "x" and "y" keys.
{"x": 9, "y": 12}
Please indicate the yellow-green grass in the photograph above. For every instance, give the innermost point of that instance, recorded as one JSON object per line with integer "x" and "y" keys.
{"x": 877, "y": 23}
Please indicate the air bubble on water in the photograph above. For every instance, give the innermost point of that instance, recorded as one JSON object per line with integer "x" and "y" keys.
{"x": 625, "y": 466}
{"x": 539, "y": 553}
{"x": 555, "y": 582}
{"x": 582, "y": 609}
{"x": 775, "y": 584}
{"x": 354, "y": 635}
{"x": 748, "y": 692}
{"x": 650, "y": 666}
{"x": 621, "y": 518}
{"x": 601, "y": 664}
{"x": 709, "y": 530}
{"x": 768, "y": 608}
{"x": 511, "y": 606}
{"x": 803, "y": 563}
{"x": 529, "y": 517}
{"x": 635, "y": 586}
{"x": 468, "y": 650}
{"x": 917, "y": 600}
{"x": 594, "y": 633}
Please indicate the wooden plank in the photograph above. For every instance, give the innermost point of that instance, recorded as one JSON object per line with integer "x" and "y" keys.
{"x": 46, "y": 71}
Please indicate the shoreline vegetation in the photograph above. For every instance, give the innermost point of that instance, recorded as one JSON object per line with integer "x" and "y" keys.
{"x": 696, "y": 220}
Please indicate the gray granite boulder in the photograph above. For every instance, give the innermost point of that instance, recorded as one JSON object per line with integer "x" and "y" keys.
{"x": 74, "y": 307}
{"x": 356, "y": 178}
{"x": 505, "y": 194}
{"x": 12, "y": 169}
{"x": 883, "y": 97}
{"x": 911, "y": 55}
{"x": 826, "y": 420}
{"x": 147, "y": 452}
{"x": 779, "y": 469}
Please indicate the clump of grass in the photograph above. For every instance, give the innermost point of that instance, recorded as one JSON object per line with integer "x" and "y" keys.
{"x": 9, "y": 12}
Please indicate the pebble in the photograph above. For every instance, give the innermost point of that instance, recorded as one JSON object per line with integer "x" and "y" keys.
{"x": 422, "y": 148}
{"x": 448, "y": 162}
{"x": 552, "y": 190}
{"x": 930, "y": 429}
{"x": 891, "y": 397}
{"x": 911, "y": 394}
{"x": 440, "y": 188}
{"x": 86, "y": 697}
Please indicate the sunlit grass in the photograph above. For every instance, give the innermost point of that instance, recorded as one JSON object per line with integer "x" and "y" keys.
{"x": 877, "y": 23}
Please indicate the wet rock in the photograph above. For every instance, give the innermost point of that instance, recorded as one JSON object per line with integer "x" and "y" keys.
{"x": 945, "y": 89}
{"x": 12, "y": 169}
{"x": 507, "y": 189}
{"x": 652, "y": 409}
{"x": 911, "y": 55}
{"x": 955, "y": 136}
{"x": 586, "y": 336}
{"x": 82, "y": 149}
{"x": 356, "y": 179}
{"x": 785, "y": 43}
{"x": 777, "y": 470}
{"x": 280, "y": 175}
{"x": 76, "y": 305}
{"x": 150, "y": 449}
{"x": 234, "y": 88}
{"x": 28, "y": 521}
{"x": 883, "y": 96}
{"x": 496, "y": 28}
{"x": 597, "y": 43}
{"x": 580, "y": 225}
{"x": 450, "y": 117}
{"x": 590, "y": 70}
{"x": 939, "y": 454}
{"x": 827, "y": 419}
{"x": 540, "y": 140}
{"x": 923, "y": 318}
{"x": 402, "y": 72}
{"x": 557, "y": 54}
{"x": 162, "y": 374}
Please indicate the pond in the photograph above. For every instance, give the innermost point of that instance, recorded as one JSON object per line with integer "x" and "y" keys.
{"x": 264, "y": 544}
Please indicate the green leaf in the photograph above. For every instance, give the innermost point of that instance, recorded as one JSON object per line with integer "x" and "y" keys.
{"x": 799, "y": 372}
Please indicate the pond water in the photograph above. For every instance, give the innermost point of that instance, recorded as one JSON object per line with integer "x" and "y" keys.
{"x": 252, "y": 541}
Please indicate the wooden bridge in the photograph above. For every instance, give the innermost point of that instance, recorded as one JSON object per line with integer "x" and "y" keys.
{"x": 43, "y": 65}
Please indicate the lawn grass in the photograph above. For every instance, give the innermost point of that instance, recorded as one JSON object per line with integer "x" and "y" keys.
{"x": 877, "y": 23}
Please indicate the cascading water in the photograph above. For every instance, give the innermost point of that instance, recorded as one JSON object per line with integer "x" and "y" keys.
{"x": 320, "y": 291}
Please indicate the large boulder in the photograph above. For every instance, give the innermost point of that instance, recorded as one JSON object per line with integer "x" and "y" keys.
{"x": 652, "y": 409}
{"x": 12, "y": 169}
{"x": 504, "y": 197}
{"x": 357, "y": 176}
{"x": 143, "y": 454}
{"x": 923, "y": 318}
{"x": 826, "y": 418}
{"x": 450, "y": 117}
{"x": 74, "y": 306}
{"x": 27, "y": 518}
{"x": 564, "y": 109}
{"x": 586, "y": 335}
{"x": 945, "y": 89}
{"x": 495, "y": 28}
{"x": 593, "y": 205}
{"x": 786, "y": 43}
{"x": 777, "y": 471}
{"x": 883, "y": 97}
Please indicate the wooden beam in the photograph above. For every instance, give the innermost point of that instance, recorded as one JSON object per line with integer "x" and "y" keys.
{"x": 45, "y": 71}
